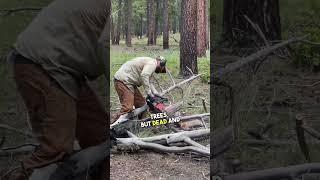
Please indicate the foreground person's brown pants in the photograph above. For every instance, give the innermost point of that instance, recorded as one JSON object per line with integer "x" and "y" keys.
{"x": 127, "y": 98}
{"x": 57, "y": 118}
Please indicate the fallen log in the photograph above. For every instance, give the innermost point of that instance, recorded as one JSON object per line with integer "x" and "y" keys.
{"x": 157, "y": 142}
{"x": 191, "y": 134}
{"x": 162, "y": 148}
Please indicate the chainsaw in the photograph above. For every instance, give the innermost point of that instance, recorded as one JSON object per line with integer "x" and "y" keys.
{"x": 156, "y": 104}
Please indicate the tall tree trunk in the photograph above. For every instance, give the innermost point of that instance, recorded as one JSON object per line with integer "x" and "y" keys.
{"x": 188, "y": 42}
{"x": 165, "y": 25}
{"x": 174, "y": 25}
{"x": 112, "y": 31}
{"x": 156, "y": 22}
{"x": 118, "y": 32}
{"x": 237, "y": 31}
{"x": 124, "y": 21}
{"x": 201, "y": 29}
{"x": 141, "y": 28}
{"x": 207, "y": 23}
{"x": 151, "y": 22}
{"x": 128, "y": 22}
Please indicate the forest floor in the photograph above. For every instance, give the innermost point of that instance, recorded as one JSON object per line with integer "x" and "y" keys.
{"x": 148, "y": 164}
{"x": 155, "y": 166}
{"x": 273, "y": 96}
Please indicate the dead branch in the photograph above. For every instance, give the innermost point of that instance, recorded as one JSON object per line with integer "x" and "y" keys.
{"x": 171, "y": 77}
{"x": 7, "y": 127}
{"x": 289, "y": 172}
{"x": 310, "y": 42}
{"x": 180, "y": 84}
{"x": 311, "y": 131}
{"x": 10, "y": 11}
{"x": 258, "y": 30}
{"x": 204, "y": 105}
{"x": 21, "y": 150}
{"x": 175, "y": 39}
{"x": 255, "y": 56}
{"x": 196, "y": 116}
{"x": 20, "y": 146}
{"x": 190, "y": 134}
{"x": 299, "y": 85}
{"x": 194, "y": 143}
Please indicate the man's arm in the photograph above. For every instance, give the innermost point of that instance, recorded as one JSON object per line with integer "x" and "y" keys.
{"x": 146, "y": 73}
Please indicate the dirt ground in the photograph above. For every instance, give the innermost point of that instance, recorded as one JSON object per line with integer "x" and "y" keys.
{"x": 155, "y": 166}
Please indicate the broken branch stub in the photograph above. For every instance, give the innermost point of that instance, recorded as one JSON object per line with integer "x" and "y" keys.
{"x": 301, "y": 138}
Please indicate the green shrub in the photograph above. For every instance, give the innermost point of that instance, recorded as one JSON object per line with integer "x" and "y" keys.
{"x": 308, "y": 55}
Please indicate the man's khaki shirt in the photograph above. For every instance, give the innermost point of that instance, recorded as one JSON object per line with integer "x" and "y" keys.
{"x": 137, "y": 72}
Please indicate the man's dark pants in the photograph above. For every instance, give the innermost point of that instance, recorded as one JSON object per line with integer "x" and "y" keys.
{"x": 57, "y": 118}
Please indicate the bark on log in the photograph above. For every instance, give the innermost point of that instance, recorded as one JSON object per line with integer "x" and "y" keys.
{"x": 162, "y": 148}
{"x": 191, "y": 134}
{"x": 157, "y": 142}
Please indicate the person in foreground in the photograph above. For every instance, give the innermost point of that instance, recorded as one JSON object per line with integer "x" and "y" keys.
{"x": 65, "y": 45}
{"x": 133, "y": 74}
